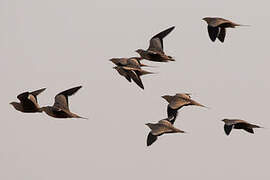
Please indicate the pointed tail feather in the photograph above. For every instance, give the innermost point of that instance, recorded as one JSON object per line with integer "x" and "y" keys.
{"x": 145, "y": 65}
{"x": 77, "y": 116}
{"x": 143, "y": 72}
{"x": 242, "y": 25}
{"x": 198, "y": 104}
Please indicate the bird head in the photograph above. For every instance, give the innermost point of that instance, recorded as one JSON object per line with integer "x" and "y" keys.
{"x": 225, "y": 120}
{"x": 113, "y": 60}
{"x": 17, "y": 106}
{"x": 139, "y": 51}
{"x": 207, "y": 19}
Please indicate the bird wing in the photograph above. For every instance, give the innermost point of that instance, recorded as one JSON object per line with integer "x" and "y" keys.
{"x": 156, "y": 45}
{"x": 119, "y": 61}
{"x": 122, "y": 61}
{"x": 37, "y": 92}
{"x": 228, "y": 128}
{"x": 163, "y": 126}
{"x": 218, "y": 21}
{"x": 135, "y": 78}
{"x": 33, "y": 99}
{"x": 172, "y": 113}
{"x": 177, "y": 102}
{"x": 213, "y": 32}
{"x": 123, "y": 72}
{"x": 28, "y": 101}
{"x": 61, "y": 99}
{"x": 250, "y": 130}
{"x": 160, "y": 129}
{"x": 151, "y": 139}
{"x": 131, "y": 68}
{"x": 236, "y": 121}
{"x": 59, "y": 112}
{"x": 61, "y": 102}
{"x": 168, "y": 98}
{"x": 23, "y": 96}
{"x": 133, "y": 63}
{"x": 222, "y": 34}
{"x": 246, "y": 125}
{"x": 156, "y": 42}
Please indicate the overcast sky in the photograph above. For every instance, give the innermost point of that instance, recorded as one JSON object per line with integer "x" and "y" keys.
{"x": 59, "y": 44}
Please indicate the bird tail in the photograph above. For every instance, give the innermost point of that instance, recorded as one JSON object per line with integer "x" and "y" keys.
{"x": 170, "y": 58}
{"x": 144, "y": 65}
{"x": 241, "y": 25}
{"x": 77, "y": 116}
{"x": 198, "y": 104}
{"x": 256, "y": 126}
{"x": 143, "y": 72}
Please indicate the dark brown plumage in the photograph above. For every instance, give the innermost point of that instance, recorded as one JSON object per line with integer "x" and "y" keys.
{"x": 28, "y": 102}
{"x": 155, "y": 51}
{"x": 238, "y": 124}
{"x": 178, "y": 101}
{"x": 60, "y": 108}
{"x": 163, "y": 126}
{"x": 133, "y": 62}
{"x": 130, "y": 68}
{"x": 217, "y": 27}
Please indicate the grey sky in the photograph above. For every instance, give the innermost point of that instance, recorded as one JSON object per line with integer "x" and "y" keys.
{"x": 59, "y": 44}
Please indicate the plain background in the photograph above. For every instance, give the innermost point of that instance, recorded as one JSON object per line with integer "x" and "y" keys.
{"x": 60, "y": 44}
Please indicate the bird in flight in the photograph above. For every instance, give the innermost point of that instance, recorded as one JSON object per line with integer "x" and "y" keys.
{"x": 28, "y": 102}
{"x": 130, "y": 68}
{"x": 60, "y": 108}
{"x": 178, "y": 101}
{"x": 238, "y": 124}
{"x": 217, "y": 27}
{"x": 133, "y": 62}
{"x": 163, "y": 126}
{"x": 155, "y": 51}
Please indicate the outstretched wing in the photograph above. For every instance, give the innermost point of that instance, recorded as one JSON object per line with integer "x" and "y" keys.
{"x": 61, "y": 99}
{"x": 222, "y": 34}
{"x": 228, "y": 128}
{"x": 151, "y": 139}
{"x": 156, "y": 42}
{"x": 28, "y": 101}
{"x": 37, "y": 92}
{"x": 178, "y": 102}
{"x": 135, "y": 78}
{"x": 213, "y": 32}
{"x": 172, "y": 113}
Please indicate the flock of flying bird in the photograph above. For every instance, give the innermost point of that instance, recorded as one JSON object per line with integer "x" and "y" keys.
{"x": 131, "y": 69}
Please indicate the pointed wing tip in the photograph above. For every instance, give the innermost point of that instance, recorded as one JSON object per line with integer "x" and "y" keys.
{"x": 172, "y": 28}
{"x": 151, "y": 139}
{"x": 43, "y": 89}
{"x": 86, "y": 118}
